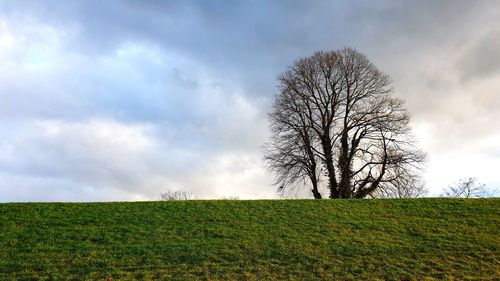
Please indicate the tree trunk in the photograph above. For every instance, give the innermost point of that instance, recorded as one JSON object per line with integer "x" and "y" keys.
{"x": 315, "y": 190}
{"x": 345, "y": 190}
{"x": 330, "y": 169}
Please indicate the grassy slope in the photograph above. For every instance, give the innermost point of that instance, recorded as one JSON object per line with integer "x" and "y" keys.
{"x": 416, "y": 239}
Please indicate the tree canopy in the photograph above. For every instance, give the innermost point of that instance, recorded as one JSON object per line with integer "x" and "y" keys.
{"x": 337, "y": 127}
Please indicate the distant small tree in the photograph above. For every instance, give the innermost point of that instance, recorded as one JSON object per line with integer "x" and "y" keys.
{"x": 467, "y": 188}
{"x": 233, "y": 198}
{"x": 176, "y": 195}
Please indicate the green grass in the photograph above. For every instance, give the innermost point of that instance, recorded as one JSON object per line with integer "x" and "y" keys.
{"x": 411, "y": 239}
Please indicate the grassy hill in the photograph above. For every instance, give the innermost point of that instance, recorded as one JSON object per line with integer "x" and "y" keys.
{"x": 412, "y": 239}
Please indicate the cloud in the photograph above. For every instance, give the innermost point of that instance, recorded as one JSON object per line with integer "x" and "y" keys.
{"x": 482, "y": 58}
{"x": 47, "y": 155}
{"x": 106, "y": 160}
{"x": 125, "y": 100}
{"x": 130, "y": 123}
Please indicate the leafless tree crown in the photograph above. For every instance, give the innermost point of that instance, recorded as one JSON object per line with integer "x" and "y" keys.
{"x": 467, "y": 188}
{"x": 337, "y": 128}
{"x": 176, "y": 195}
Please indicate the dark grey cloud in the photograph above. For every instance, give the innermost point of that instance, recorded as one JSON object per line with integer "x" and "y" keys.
{"x": 483, "y": 58}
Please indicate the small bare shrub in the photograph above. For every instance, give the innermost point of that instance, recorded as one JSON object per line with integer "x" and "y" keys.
{"x": 176, "y": 195}
{"x": 467, "y": 188}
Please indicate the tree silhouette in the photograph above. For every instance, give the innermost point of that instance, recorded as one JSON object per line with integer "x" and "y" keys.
{"x": 335, "y": 117}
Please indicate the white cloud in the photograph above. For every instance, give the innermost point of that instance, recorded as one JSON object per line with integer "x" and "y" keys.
{"x": 102, "y": 159}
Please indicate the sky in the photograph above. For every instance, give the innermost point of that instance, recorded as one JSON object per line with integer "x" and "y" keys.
{"x": 122, "y": 100}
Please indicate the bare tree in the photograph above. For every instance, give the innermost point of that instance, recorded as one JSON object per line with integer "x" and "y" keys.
{"x": 290, "y": 154}
{"x": 335, "y": 116}
{"x": 467, "y": 188}
{"x": 176, "y": 195}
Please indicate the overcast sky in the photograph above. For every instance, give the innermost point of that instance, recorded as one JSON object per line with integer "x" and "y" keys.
{"x": 121, "y": 100}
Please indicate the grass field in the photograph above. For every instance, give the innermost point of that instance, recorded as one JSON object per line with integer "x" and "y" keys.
{"x": 411, "y": 239}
